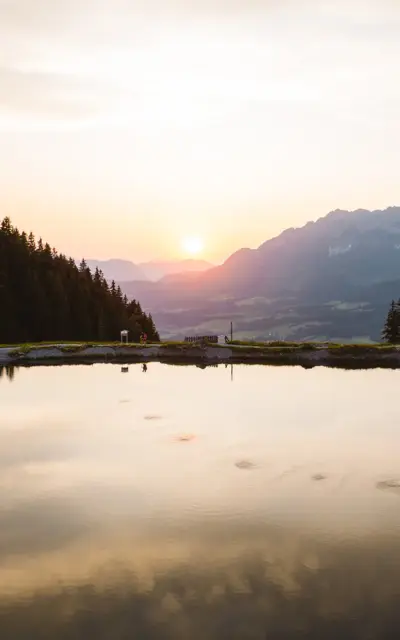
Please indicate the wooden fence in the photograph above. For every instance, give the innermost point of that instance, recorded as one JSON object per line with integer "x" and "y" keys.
{"x": 213, "y": 339}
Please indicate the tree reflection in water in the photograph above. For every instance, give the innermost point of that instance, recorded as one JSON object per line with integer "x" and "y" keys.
{"x": 7, "y": 372}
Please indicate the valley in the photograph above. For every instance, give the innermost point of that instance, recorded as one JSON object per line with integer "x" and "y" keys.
{"x": 329, "y": 280}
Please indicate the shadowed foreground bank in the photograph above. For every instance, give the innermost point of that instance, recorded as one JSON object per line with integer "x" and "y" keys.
{"x": 304, "y": 354}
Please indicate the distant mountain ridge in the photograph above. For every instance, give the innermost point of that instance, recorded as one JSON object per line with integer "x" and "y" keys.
{"x": 157, "y": 269}
{"x": 125, "y": 270}
{"x": 322, "y": 280}
{"x": 118, "y": 270}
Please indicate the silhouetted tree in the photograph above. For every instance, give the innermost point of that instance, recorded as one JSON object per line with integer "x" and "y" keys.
{"x": 31, "y": 242}
{"x": 45, "y": 296}
{"x": 391, "y": 329}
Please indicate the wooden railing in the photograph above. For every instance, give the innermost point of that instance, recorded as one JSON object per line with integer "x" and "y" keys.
{"x": 213, "y": 339}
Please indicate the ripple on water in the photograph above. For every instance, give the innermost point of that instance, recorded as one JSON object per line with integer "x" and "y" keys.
{"x": 391, "y": 484}
{"x": 187, "y": 437}
{"x": 245, "y": 464}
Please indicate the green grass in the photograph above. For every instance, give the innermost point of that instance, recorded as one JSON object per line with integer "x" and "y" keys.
{"x": 68, "y": 347}
{"x": 357, "y": 349}
{"x": 71, "y": 346}
{"x": 277, "y": 343}
{"x": 74, "y": 343}
{"x": 257, "y": 348}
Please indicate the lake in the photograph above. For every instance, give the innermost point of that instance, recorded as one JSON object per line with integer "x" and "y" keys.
{"x": 204, "y": 504}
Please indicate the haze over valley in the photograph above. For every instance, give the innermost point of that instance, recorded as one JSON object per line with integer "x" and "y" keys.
{"x": 125, "y": 270}
{"x": 330, "y": 279}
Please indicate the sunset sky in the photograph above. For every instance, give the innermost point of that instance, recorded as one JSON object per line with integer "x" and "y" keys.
{"x": 129, "y": 125}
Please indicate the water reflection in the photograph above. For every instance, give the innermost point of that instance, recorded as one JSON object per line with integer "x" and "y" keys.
{"x": 7, "y": 372}
{"x": 265, "y": 584}
{"x": 204, "y": 366}
{"x": 177, "y": 505}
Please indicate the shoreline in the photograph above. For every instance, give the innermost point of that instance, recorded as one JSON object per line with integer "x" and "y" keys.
{"x": 305, "y": 355}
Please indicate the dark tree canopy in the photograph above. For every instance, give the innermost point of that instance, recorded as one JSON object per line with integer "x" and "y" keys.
{"x": 44, "y": 296}
{"x": 391, "y": 329}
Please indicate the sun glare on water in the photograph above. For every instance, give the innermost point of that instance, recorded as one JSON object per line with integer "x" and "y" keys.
{"x": 192, "y": 245}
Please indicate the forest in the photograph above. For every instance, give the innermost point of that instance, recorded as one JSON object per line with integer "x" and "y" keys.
{"x": 45, "y": 296}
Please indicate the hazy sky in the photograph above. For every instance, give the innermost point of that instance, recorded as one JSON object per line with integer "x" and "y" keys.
{"x": 126, "y": 125}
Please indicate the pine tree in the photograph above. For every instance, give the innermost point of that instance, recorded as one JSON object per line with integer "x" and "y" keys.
{"x": 119, "y": 293}
{"x": 24, "y": 239}
{"x": 6, "y": 226}
{"x": 31, "y": 242}
{"x": 97, "y": 277}
{"x": 151, "y": 330}
{"x": 45, "y": 296}
{"x": 391, "y": 329}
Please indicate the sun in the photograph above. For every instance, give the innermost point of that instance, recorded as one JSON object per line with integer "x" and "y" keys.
{"x": 192, "y": 245}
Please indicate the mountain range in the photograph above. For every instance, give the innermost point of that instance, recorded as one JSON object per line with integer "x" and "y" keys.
{"x": 125, "y": 270}
{"x": 158, "y": 269}
{"x": 330, "y": 279}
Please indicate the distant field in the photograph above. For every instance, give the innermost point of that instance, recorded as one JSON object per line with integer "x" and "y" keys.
{"x": 263, "y": 319}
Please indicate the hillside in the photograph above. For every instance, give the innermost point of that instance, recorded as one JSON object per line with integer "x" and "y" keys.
{"x": 332, "y": 278}
{"x": 44, "y": 296}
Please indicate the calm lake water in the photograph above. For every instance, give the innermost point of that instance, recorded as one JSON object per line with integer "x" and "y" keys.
{"x": 179, "y": 503}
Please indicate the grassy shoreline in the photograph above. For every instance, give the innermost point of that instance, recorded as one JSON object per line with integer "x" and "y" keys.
{"x": 290, "y": 353}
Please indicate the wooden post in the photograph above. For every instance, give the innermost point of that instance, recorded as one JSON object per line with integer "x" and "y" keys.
{"x": 231, "y": 331}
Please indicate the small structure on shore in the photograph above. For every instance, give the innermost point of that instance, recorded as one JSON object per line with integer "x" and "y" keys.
{"x": 202, "y": 339}
{"x": 124, "y": 336}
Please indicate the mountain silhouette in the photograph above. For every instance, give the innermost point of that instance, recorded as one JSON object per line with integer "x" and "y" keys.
{"x": 125, "y": 270}
{"x": 116, "y": 269}
{"x": 332, "y": 278}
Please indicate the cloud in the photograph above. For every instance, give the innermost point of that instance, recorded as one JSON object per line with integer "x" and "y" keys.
{"x": 61, "y": 16}
{"x": 43, "y": 14}
{"x": 167, "y": 60}
{"x": 49, "y": 95}
{"x": 241, "y": 585}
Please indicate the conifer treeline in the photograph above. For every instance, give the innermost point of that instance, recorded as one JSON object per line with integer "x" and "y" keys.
{"x": 391, "y": 329}
{"x": 44, "y": 296}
